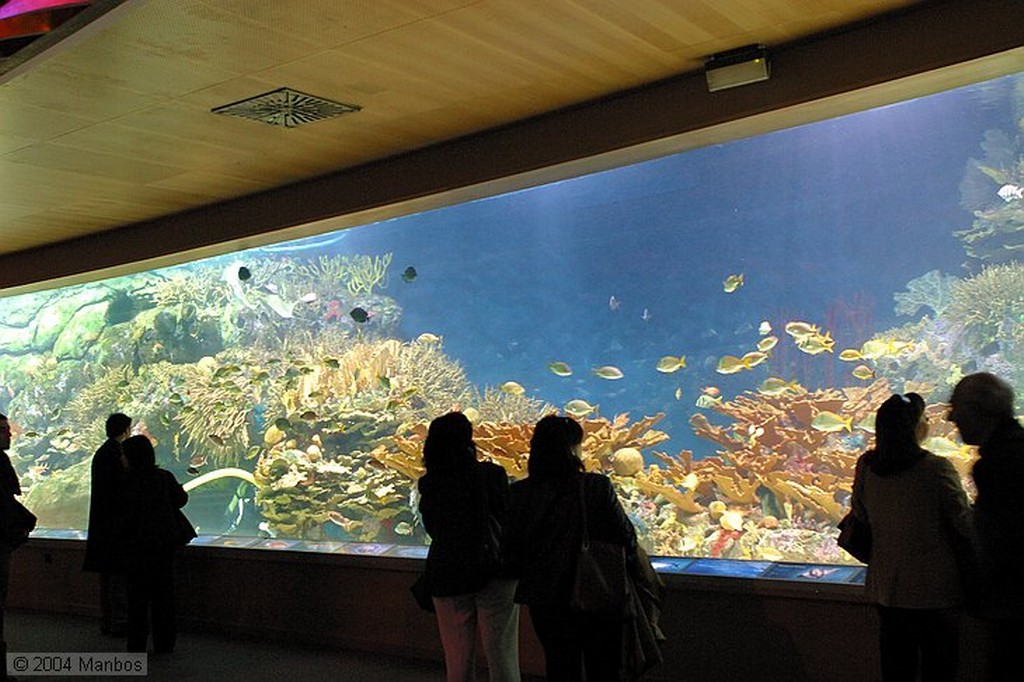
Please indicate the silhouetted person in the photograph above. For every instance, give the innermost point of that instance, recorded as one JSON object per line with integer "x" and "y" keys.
{"x": 457, "y": 494}
{"x": 982, "y": 409}
{"x": 152, "y": 535}
{"x": 9, "y": 487}
{"x": 921, "y": 544}
{"x": 545, "y": 534}
{"x": 104, "y": 543}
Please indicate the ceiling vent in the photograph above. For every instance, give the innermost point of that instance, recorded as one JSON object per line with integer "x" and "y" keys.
{"x": 285, "y": 107}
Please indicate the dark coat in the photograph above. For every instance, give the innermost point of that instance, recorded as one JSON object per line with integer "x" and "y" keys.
{"x": 545, "y": 533}
{"x": 105, "y": 541}
{"x": 152, "y": 499}
{"x": 454, "y": 506}
{"x": 999, "y": 477}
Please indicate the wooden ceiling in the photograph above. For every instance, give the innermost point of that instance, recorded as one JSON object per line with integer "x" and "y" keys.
{"x": 112, "y": 125}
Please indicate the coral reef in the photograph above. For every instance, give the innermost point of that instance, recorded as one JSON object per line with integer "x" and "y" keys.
{"x": 932, "y": 290}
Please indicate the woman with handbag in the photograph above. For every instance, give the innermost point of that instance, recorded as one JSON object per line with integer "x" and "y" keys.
{"x": 464, "y": 505}
{"x": 921, "y": 544}
{"x": 553, "y": 510}
{"x": 153, "y": 502}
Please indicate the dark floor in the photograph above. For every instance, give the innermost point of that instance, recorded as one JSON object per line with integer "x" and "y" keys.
{"x": 211, "y": 657}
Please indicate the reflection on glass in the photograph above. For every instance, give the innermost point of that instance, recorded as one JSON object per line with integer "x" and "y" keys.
{"x": 723, "y": 322}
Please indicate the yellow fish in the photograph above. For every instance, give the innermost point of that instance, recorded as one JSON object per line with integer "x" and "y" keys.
{"x": 730, "y": 364}
{"x": 513, "y": 388}
{"x": 801, "y": 329}
{"x": 776, "y": 386}
{"x": 472, "y": 414}
{"x": 669, "y": 364}
{"x": 944, "y": 447}
{"x": 874, "y": 349}
{"x": 427, "y": 337}
{"x": 679, "y": 393}
{"x": 690, "y": 481}
{"x": 863, "y": 372}
{"x": 767, "y": 343}
{"x": 850, "y": 355}
{"x": 830, "y": 422}
{"x": 753, "y": 359}
{"x": 609, "y": 372}
{"x": 732, "y": 283}
{"x": 579, "y": 408}
{"x": 764, "y": 328}
{"x": 812, "y": 345}
{"x": 867, "y": 423}
{"x": 560, "y": 369}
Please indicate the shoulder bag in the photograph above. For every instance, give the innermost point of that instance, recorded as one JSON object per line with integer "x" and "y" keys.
{"x": 599, "y": 585}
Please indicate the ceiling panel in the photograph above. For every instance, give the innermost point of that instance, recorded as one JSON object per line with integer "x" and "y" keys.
{"x": 115, "y": 123}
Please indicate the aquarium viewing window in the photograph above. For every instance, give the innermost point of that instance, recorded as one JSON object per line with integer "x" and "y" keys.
{"x": 723, "y": 322}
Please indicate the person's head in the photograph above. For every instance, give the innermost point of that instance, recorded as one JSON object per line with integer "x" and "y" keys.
{"x": 5, "y": 433}
{"x": 119, "y": 426}
{"x": 139, "y": 453}
{"x": 899, "y": 429}
{"x": 449, "y": 443}
{"x": 978, "y": 404}
{"x": 555, "y": 447}
{"x": 899, "y": 422}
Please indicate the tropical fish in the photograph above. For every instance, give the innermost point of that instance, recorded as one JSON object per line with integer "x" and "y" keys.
{"x": 579, "y": 408}
{"x": 230, "y": 275}
{"x": 753, "y": 359}
{"x": 732, "y": 283}
{"x": 731, "y": 520}
{"x": 512, "y": 388}
{"x": 850, "y": 355}
{"x": 198, "y": 461}
{"x": 767, "y": 343}
{"x": 282, "y": 424}
{"x": 730, "y": 364}
{"x": 775, "y": 386}
{"x": 560, "y": 369}
{"x": 308, "y": 298}
{"x": 867, "y": 423}
{"x": 613, "y": 303}
{"x": 690, "y": 481}
{"x": 645, "y": 315}
{"x": 669, "y": 364}
{"x": 472, "y": 414}
{"x": 277, "y": 304}
{"x": 1010, "y": 192}
{"x": 427, "y": 337}
{"x": 244, "y": 273}
{"x": 308, "y": 415}
{"x": 409, "y": 274}
{"x": 801, "y": 329}
{"x": 765, "y": 328}
{"x": 710, "y": 390}
{"x": 403, "y": 527}
{"x": 608, "y": 372}
{"x": 192, "y": 471}
{"x": 815, "y": 344}
{"x": 333, "y": 363}
{"x": 830, "y": 422}
{"x": 359, "y": 315}
{"x": 704, "y": 401}
{"x": 679, "y": 393}
{"x": 863, "y": 372}
{"x": 945, "y": 447}
{"x": 216, "y": 439}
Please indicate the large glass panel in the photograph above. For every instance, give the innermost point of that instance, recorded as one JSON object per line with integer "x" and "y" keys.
{"x": 723, "y": 322}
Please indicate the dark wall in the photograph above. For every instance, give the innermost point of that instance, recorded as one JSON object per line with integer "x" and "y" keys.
{"x": 723, "y": 629}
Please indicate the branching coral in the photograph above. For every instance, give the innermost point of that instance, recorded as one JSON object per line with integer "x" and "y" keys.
{"x": 932, "y": 289}
{"x": 496, "y": 405}
{"x": 990, "y": 304}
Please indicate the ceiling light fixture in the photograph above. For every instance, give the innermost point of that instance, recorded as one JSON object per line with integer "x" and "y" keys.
{"x": 742, "y": 66}
{"x": 285, "y": 107}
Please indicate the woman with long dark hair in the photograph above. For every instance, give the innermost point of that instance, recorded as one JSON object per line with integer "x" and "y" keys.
{"x": 545, "y": 535}
{"x": 921, "y": 543}
{"x": 464, "y": 505}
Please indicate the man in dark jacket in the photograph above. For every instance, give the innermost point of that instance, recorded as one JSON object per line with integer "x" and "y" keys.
{"x": 104, "y": 544}
{"x": 9, "y": 485}
{"x": 982, "y": 409}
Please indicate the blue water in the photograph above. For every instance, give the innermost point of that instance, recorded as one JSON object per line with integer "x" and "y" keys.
{"x": 825, "y": 221}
